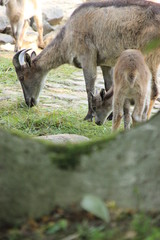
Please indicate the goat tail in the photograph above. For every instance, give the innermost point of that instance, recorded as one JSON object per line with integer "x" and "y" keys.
{"x": 131, "y": 78}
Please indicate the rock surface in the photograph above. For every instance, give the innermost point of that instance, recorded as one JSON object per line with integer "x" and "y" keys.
{"x": 35, "y": 177}
{"x": 52, "y": 15}
{"x": 4, "y": 22}
{"x": 5, "y": 38}
{"x": 64, "y": 138}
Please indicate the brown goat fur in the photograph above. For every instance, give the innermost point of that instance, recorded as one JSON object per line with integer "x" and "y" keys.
{"x": 95, "y": 35}
{"x": 131, "y": 82}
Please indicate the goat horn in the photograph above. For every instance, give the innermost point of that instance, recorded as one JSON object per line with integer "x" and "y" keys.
{"x": 22, "y": 55}
{"x": 16, "y": 59}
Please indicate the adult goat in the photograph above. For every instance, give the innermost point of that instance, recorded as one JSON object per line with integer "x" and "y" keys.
{"x": 95, "y": 35}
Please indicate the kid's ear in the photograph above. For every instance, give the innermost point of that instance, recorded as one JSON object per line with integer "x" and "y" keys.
{"x": 109, "y": 93}
{"x": 102, "y": 93}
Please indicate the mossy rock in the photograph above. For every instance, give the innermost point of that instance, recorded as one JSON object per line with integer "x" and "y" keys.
{"x": 35, "y": 176}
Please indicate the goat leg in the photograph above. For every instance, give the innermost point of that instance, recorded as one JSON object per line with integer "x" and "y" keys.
{"x": 90, "y": 74}
{"x": 38, "y": 20}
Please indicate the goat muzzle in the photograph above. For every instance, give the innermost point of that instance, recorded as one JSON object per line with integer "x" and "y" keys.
{"x": 31, "y": 102}
{"x": 99, "y": 123}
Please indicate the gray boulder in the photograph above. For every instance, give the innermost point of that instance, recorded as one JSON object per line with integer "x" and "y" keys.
{"x": 4, "y": 22}
{"x": 51, "y": 13}
{"x": 5, "y": 38}
{"x": 47, "y": 28}
{"x": 36, "y": 176}
{"x": 64, "y": 138}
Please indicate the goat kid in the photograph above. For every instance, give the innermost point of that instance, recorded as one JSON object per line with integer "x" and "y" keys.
{"x": 18, "y": 12}
{"x": 95, "y": 35}
{"x": 131, "y": 82}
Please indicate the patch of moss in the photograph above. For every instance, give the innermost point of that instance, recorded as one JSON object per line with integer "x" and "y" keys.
{"x": 68, "y": 156}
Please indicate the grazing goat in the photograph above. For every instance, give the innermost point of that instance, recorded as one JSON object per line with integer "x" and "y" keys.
{"x": 131, "y": 82}
{"x": 94, "y": 35}
{"x": 18, "y": 12}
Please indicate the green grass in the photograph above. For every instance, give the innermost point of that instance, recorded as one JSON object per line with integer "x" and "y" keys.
{"x": 7, "y": 72}
{"x": 37, "y": 121}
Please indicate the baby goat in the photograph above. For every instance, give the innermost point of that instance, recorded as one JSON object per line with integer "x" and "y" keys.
{"x": 131, "y": 83}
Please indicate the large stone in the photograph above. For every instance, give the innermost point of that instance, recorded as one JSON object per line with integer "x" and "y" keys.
{"x": 47, "y": 28}
{"x": 5, "y": 38}
{"x": 4, "y": 22}
{"x": 35, "y": 176}
{"x": 52, "y": 14}
{"x": 64, "y": 138}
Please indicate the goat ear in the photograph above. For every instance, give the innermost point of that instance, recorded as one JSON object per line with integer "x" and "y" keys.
{"x": 109, "y": 93}
{"x": 33, "y": 55}
{"x": 28, "y": 58}
{"x": 102, "y": 93}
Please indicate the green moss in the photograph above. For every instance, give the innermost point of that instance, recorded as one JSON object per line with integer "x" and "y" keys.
{"x": 63, "y": 156}
{"x": 68, "y": 156}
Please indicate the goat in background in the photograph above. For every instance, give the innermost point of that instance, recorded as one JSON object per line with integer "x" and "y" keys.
{"x": 18, "y": 12}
